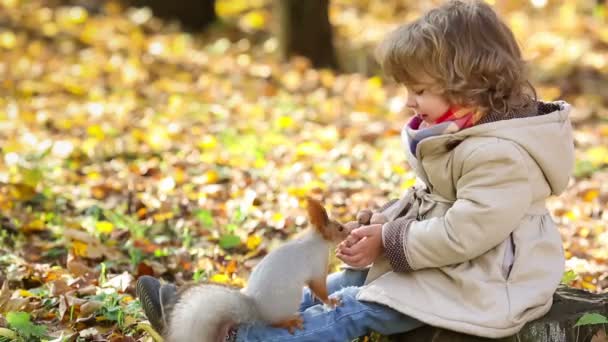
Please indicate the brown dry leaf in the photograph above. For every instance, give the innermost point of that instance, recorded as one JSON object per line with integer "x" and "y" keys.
{"x": 90, "y": 307}
{"x": 87, "y": 246}
{"x": 8, "y": 304}
{"x": 78, "y": 268}
{"x": 63, "y": 307}
{"x": 59, "y": 287}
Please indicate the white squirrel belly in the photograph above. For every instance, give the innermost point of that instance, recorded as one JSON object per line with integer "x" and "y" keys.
{"x": 276, "y": 283}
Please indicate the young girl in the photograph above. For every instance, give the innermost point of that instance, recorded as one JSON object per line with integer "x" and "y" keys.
{"x": 472, "y": 247}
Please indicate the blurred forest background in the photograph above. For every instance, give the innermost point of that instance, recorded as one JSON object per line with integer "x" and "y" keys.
{"x": 134, "y": 144}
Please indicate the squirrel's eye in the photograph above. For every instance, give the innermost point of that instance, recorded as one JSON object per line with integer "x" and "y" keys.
{"x": 340, "y": 228}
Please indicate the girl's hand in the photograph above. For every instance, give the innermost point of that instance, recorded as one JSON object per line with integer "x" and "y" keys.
{"x": 362, "y": 246}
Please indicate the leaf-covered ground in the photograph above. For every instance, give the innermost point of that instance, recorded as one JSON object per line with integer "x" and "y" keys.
{"x": 130, "y": 147}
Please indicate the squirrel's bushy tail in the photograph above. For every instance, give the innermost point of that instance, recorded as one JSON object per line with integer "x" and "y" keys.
{"x": 204, "y": 312}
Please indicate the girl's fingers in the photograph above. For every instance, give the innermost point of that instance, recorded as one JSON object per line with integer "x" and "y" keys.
{"x": 346, "y": 251}
{"x": 351, "y": 240}
{"x": 364, "y": 231}
{"x": 359, "y": 248}
{"x": 350, "y": 260}
{"x": 352, "y": 225}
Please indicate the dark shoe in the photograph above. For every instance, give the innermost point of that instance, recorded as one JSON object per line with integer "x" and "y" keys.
{"x": 168, "y": 298}
{"x": 148, "y": 292}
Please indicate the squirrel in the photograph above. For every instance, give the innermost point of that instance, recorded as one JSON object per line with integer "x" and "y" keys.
{"x": 206, "y": 312}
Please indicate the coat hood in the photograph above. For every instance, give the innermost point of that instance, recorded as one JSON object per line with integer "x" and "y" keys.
{"x": 546, "y": 136}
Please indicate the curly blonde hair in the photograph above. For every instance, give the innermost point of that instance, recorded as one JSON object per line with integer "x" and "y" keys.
{"x": 463, "y": 51}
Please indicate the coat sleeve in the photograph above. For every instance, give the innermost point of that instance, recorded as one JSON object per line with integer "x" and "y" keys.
{"x": 493, "y": 194}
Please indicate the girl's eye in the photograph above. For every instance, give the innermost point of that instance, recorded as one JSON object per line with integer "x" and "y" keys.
{"x": 419, "y": 92}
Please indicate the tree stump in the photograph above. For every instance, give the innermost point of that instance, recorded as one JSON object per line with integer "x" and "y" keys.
{"x": 556, "y": 326}
{"x": 194, "y": 15}
{"x": 304, "y": 30}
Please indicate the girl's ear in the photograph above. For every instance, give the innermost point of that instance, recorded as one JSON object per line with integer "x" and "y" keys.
{"x": 317, "y": 214}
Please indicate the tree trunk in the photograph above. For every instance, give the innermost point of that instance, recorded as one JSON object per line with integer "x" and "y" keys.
{"x": 192, "y": 14}
{"x": 556, "y": 326}
{"x": 305, "y": 30}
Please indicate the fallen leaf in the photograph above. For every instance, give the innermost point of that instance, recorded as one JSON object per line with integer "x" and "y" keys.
{"x": 120, "y": 282}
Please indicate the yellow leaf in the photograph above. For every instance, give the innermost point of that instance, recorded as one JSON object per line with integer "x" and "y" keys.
{"x": 254, "y": 20}
{"x": 11, "y": 335}
{"x": 408, "y": 183}
{"x": 211, "y": 176}
{"x": 10, "y": 3}
{"x": 291, "y": 80}
{"x": 284, "y": 122}
{"x": 22, "y": 192}
{"x": 568, "y": 16}
{"x": 344, "y": 169}
{"x": 34, "y": 225}
{"x": 519, "y": 23}
{"x": 80, "y": 248}
{"x": 319, "y": 169}
{"x": 598, "y": 155}
{"x": 148, "y": 328}
{"x": 277, "y": 217}
{"x": 238, "y": 281}
{"x": 158, "y": 137}
{"x": 88, "y": 33}
{"x": 329, "y": 135}
{"x": 25, "y": 293}
{"x": 220, "y": 278}
{"x": 591, "y": 195}
{"x": 374, "y": 82}
{"x": 549, "y": 93}
{"x": 104, "y": 227}
{"x": 74, "y": 88}
{"x": 78, "y": 15}
{"x": 253, "y": 242}
{"x": 327, "y": 78}
{"x": 301, "y": 191}
{"x": 589, "y": 286}
{"x": 207, "y": 142}
{"x": 180, "y": 175}
{"x": 227, "y": 8}
{"x": 8, "y": 40}
{"x": 175, "y": 101}
{"x": 96, "y": 132}
{"x": 260, "y": 163}
{"x": 571, "y": 215}
{"x": 163, "y": 216}
{"x": 94, "y": 176}
{"x": 309, "y": 148}
{"x": 584, "y": 232}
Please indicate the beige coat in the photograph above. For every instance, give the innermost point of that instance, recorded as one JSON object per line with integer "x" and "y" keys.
{"x": 486, "y": 255}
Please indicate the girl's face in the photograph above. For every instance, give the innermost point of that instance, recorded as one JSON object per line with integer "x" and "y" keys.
{"x": 428, "y": 105}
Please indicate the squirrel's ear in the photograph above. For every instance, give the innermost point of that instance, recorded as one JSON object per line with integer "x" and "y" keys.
{"x": 316, "y": 213}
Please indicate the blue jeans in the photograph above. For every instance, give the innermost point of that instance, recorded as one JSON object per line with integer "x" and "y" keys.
{"x": 353, "y": 318}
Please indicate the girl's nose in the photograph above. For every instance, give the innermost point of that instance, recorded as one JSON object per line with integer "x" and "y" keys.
{"x": 411, "y": 101}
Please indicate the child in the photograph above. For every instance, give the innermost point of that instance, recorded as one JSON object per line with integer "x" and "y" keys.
{"x": 472, "y": 248}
